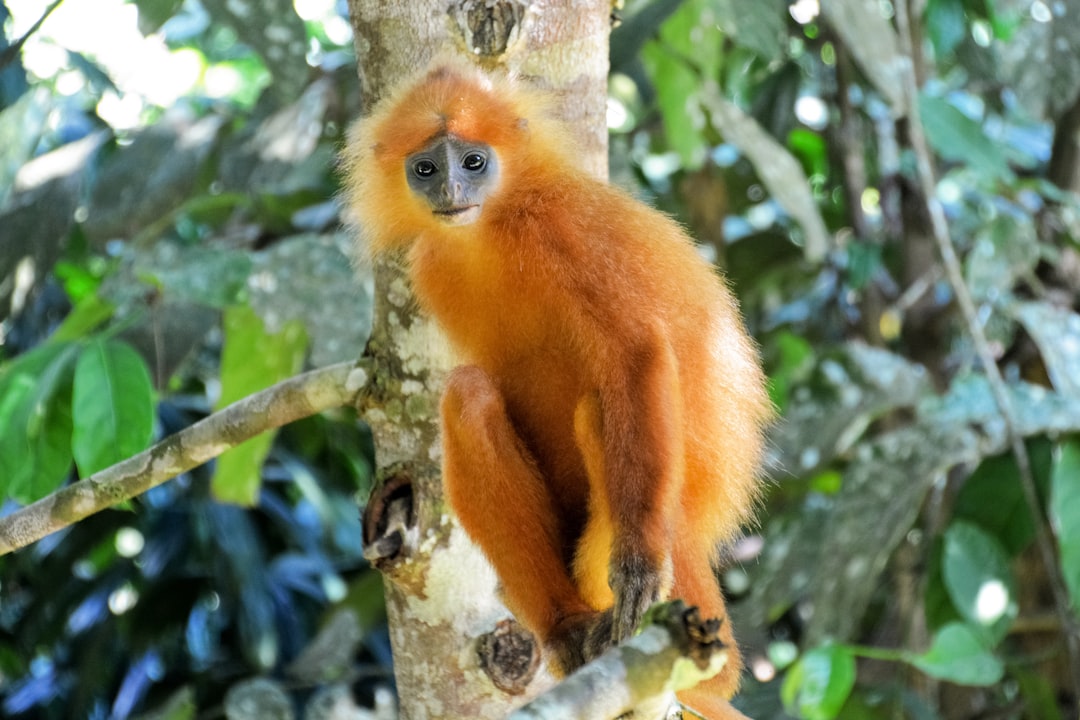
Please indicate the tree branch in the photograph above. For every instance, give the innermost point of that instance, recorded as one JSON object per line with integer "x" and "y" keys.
{"x": 954, "y": 272}
{"x": 675, "y": 651}
{"x": 280, "y": 404}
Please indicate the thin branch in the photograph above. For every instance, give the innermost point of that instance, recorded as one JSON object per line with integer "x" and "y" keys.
{"x": 675, "y": 651}
{"x": 848, "y": 144}
{"x": 278, "y": 405}
{"x": 12, "y": 51}
{"x": 954, "y": 272}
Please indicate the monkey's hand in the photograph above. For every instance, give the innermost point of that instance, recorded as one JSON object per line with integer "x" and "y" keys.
{"x": 637, "y": 582}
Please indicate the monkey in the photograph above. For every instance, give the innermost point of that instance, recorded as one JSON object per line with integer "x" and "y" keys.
{"x": 603, "y": 436}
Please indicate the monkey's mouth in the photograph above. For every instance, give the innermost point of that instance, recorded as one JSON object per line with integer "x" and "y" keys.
{"x": 464, "y": 215}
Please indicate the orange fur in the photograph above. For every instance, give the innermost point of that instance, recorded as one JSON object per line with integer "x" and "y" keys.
{"x": 611, "y": 410}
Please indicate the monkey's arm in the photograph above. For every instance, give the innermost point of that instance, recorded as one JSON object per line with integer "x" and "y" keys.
{"x": 641, "y": 433}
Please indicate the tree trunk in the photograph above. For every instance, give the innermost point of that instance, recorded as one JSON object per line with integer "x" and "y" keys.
{"x": 453, "y": 658}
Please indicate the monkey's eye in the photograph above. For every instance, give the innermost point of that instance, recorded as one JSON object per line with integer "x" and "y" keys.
{"x": 474, "y": 162}
{"x": 424, "y": 168}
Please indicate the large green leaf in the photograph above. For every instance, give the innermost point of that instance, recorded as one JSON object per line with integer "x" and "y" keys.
{"x": 958, "y": 656}
{"x": 21, "y": 126}
{"x": 86, "y": 316}
{"x": 993, "y": 499}
{"x": 818, "y": 685}
{"x": 1056, "y": 330}
{"x": 214, "y": 277}
{"x": 956, "y": 137}
{"x": 690, "y": 34}
{"x": 869, "y": 35}
{"x": 35, "y": 422}
{"x": 112, "y": 405}
{"x": 677, "y": 89}
{"x": 979, "y": 579}
{"x": 1039, "y": 694}
{"x": 1065, "y": 513}
{"x": 758, "y": 26}
{"x": 946, "y": 24}
{"x": 318, "y": 274}
{"x": 252, "y": 360}
{"x": 1005, "y": 250}
{"x": 778, "y": 169}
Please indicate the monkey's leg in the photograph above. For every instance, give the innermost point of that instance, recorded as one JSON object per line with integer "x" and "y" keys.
{"x": 641, "y": 433}
{"x": 504, "y": 505}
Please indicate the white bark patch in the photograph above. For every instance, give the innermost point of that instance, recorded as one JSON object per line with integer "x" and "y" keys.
{"x": 457, "y": 577}
{"x": 84, "y": 504}
{"x": 201, "y": 453}
{"x": 356, "y": 380}
{"x": 167, "y": 464}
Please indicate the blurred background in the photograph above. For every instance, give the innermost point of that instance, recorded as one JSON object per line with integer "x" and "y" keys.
{"x": 169, "y": 242}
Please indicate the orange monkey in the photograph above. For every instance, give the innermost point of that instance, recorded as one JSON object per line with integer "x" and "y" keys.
{"x": 604, "y": 438}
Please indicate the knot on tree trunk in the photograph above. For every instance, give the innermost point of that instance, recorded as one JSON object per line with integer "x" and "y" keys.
{"x": 510, "y": 656}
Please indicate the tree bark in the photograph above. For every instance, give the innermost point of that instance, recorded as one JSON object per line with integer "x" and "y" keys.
{"x": 442, "y": 604}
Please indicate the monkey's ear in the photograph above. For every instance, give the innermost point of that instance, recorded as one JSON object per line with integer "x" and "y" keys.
{"x": 378, "y": 149}
{"x": 523, "y": 123}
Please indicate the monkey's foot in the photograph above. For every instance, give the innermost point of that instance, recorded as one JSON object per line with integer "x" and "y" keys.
{"x": 578, "y": 639}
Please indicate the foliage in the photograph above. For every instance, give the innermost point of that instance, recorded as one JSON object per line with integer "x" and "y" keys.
{"x": 897, "y": 513}
{"x": 162, "y": 271}
{"x": 155, "y": 268}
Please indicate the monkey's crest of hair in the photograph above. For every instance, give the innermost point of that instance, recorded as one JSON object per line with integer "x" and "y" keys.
{"x": 449, "y": 98}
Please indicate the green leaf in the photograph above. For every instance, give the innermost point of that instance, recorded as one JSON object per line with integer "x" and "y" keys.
{"x": 957, "y": 137}
{"x": 21, "y": 126}
{"x": 818, "y": 685}
{"x": 979, "y": 580}
{"x": 35, "y": 422}
{"x": 683, "y": 31}
{"x": 794, "y": 361}
{"x": 83, "y": 319}
{"x": 1056, "y": 331}
{"x": 1005, "y": 250}
{"x": 946, "y": 24}
{"x": 864, "y": 260}
{"x": 958, "y": 656}
{"x": 758, "y": 26}
{"x": 112, "y": 404}
{"x": 677, "y": 86}
{"x": 252, "y": 360}
{"x": 868, "y": 34}
{"x": 1038, "y": 693}
{"x": 211, "y": 277}
{"x": 1064, "y": 513}
{"x": 993, "y": 499}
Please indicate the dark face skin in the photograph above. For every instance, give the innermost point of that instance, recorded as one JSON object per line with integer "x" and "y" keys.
{"x": 453, "y": 177}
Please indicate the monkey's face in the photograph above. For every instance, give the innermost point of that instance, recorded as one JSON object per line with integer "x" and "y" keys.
{"x": 453, "y": 177}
